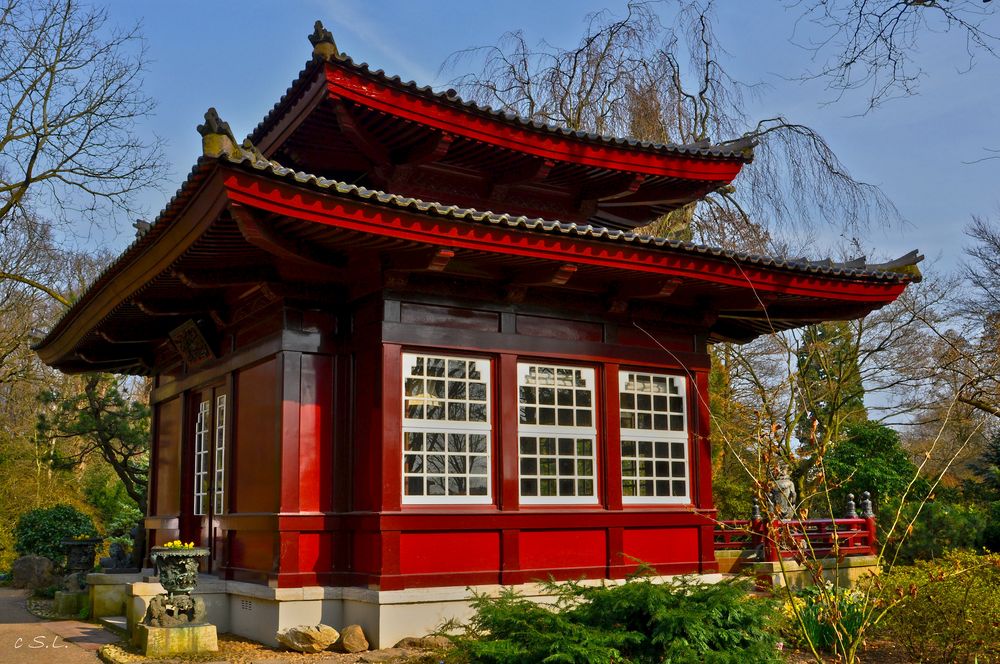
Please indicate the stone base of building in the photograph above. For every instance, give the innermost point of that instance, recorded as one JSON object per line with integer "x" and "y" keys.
{"x": 257, "y": 612}
{"x": 108, "y": 595}
{"x": 70, "y": 604}
{"x": 845, "y": 572}
{"x": 168, "y": 641}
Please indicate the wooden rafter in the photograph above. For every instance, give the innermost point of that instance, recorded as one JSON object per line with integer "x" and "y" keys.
{"x": 222, "y": 278}
{"x": 360, "y": 137}
{"x": 256, "y": 232}
{"x": 431, "y": 149}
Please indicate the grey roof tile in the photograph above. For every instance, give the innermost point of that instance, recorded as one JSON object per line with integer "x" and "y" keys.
{"x": 856, "y": 268}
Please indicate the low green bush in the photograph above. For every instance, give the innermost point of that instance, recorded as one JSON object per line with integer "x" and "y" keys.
{"x": 48, "y": 592}
{"x": 991, "y": 533}
{"x": 40, "y": 532}
{"x": 636, "y": 622}
{"x": 948, "y": 610}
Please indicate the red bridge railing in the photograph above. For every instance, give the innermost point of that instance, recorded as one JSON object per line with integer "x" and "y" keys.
{"x": 815, "y": 538}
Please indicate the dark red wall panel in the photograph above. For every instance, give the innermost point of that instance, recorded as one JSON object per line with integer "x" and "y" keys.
{"x": 443, "y": 552}
{"x": 571, "y": 330}
{"x": 633, "y": 336}
{"x": 168, "y": 457}
{"x": 554, "y": 549}
{"x": 365, "y": 552}
{"x": 466, "y": 319}
{"x": 255, "y": 452}
{"x": 660, "y": 545}
{"x": 315, "y": 552}
{"x": 253, "y": 550}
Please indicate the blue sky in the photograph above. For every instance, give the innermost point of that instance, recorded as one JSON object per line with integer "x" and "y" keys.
{"x": 240, "y": 57}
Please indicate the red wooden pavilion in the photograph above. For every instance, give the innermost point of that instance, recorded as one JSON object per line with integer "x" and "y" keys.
{"x": 359, "y": 394}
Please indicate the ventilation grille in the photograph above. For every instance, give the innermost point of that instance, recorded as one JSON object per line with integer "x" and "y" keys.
{"x": 246, "y": 604}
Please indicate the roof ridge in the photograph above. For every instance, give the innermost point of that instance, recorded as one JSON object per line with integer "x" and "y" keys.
{"x": 325, "y": 51}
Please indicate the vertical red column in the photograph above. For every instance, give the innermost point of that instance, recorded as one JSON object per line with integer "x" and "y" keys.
{"x": 701, "y": 450}
{"x": 508, "y": 490}
{"x": 289, "y": 370}
{"x": 391, "y": 459}
{"x": 612, "y": 475}
{"x": 612, "y": 439}
{"x": 701, "y": 443}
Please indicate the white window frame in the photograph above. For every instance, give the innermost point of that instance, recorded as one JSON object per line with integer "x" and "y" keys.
{"x": 201, "y": 432}
{"x": 556, "y": 431}
{"x": 219, "y": 483}
{"x": 655, "y": 436}
{"x": 424, "y": 426}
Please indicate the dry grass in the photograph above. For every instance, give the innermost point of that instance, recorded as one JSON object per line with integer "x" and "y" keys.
{"x": 876, "y": 652}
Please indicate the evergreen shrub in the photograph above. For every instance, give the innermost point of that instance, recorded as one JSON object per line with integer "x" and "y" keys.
{"x": 940, "y": 526}
{"x": 40, "y": 532}
{"x": 949, "y": 609}
{"x": 636, "y": 622}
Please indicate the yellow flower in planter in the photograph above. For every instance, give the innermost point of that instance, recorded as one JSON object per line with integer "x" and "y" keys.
{"x": 177, "y": 544}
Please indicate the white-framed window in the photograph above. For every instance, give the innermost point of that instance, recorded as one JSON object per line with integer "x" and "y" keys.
{"x": 654, "y": 438}
{"x": 557, "y": 434}
{"x": 201, "y": 478}
{"x": 446, "y": 429}
{"x": 219, "y": 488}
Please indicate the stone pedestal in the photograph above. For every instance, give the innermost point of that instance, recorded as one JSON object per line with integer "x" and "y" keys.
{"x": 168, "y": 641}
{"x": 70, "y": 603}
{"x": 846, "y": 572}
{"x": 109, "y": 592}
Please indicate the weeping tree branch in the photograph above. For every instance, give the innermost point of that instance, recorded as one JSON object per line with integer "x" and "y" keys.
{"x": 871, "y": 45}
{"x": 664, "y": 80}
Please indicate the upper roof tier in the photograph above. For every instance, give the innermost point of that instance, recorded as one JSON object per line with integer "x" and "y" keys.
{"x": 363, "y": 126}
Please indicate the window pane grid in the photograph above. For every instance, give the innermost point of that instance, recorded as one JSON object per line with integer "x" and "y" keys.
{"x": 220, "y": 454}
{"x": 445, "y": 389}
{"x": 557, "y": 434}
{"x": 201, "y": 458}
{"x": 653, "y": 438}
{"x": 651, "y": 402}
{"x": 446, "y": 429}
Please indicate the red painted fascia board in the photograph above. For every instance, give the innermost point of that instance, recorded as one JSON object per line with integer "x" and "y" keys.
{"x": 341, "y": 212}
{"x": 348, "y": 84}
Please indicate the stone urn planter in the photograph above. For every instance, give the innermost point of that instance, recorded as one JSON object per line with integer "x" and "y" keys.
{"x": 80, "y": 554}
{"x": 177, "y": 568}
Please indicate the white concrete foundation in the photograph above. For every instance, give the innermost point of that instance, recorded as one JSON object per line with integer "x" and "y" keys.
{"x": 257, "y": 612}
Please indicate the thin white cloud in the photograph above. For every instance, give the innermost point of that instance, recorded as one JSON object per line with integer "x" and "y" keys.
{"x": 342, "y": 15}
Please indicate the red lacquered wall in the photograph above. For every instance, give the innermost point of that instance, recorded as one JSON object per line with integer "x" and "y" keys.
{"x": 314, "y": 480}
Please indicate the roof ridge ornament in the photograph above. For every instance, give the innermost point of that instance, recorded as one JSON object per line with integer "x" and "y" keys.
{"x": 322, "y": 41}
{"x": 216, "y": 137}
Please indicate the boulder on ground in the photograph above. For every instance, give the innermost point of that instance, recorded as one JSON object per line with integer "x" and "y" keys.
{"x": 308, "y": 638}
{"x": 386, "y": 655}
{"x": 425, "y": 642}
{"x": 352, "y": 639}
{"x": 32, "y": 572}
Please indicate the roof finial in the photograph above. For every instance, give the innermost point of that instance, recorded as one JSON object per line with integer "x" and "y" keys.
{"x": 216, "y": 137}
{"x": 322, "y": 41}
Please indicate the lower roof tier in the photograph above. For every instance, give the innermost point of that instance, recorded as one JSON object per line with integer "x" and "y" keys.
{"x": 242, "y": 225}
